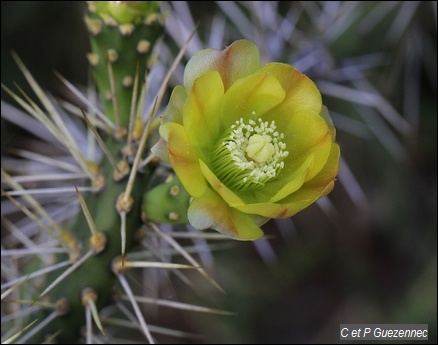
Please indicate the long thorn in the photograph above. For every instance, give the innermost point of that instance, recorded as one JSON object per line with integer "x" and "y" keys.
{"x": 91, "y": 95}
{"x": 132, "y": 110}
{"x": 36, "y": 274}
{"x": 96, "y": 316}
{"x": 54, "y": 130}
{"x": 85, "y": 100}
{"x": 43, "y": 304}
{"x": 49, "y": 177}
{"x": 137, "y": 310}
{"x": 50, "y": 339}
{"x": 179, "y": 305}
{"x": 141, "y": 102}
{"x": 89, "y": 298}
{"x": 60, "y": 130}
{"x": 87, "y": 214}
{"x": 16, "y": 335}
{"x": 20, "y": 314}
{"x": 187, "y": 249}
{"x": 36, "y": 220}
{"x": 100, "y": 141}
{"x": 32, "y": 251}
{"x": 39, "y": 327}
{"x": 65, "y": 274}
{"x": 26, "y": 122}
{"x": 22, "y": 238}
{"x": 33, "y": 202}
{"x": 156, "y": 329}
{"x": 137, "y": 159}
{"x": 113, "y": 91}
{"x": 9, "y": 291}
{"x": 52, "y": 162}
{"x": 150, "y": 264}
{"x": 123, "y": 235}
{"x": 186, "y": 255}
{"x": 46, "y": 102}
{"x": 74, "y": 110}
{"x": 88, "y": 326}
{"x": 40, "y": 191}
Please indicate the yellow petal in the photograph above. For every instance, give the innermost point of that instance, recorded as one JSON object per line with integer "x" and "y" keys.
{"x": 301, "y": 93}
{"x": 229, "y": 196}
{"x": 174, "y": 110}
{"x": 320, "y": 185}
{"x": 160, "y": 150}
{"x": 310, "y": 191}
{"x": 239, "y": 60}
{"x": 328, "y": 120}
{"x": 183, "y": 159}
{"x": 250, "y": 98}
{"x": 273, "y": 210}
{"x": 295, "y": 181}
{"x": 201, "y": 111}
{"x": 305, "y": 134}
{"x": 211, "y": 211}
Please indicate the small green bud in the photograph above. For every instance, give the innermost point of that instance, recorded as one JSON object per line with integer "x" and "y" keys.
{"x": 167, "y": 203}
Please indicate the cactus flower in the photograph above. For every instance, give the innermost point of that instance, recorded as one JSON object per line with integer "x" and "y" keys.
{"x": 248, "y": 142}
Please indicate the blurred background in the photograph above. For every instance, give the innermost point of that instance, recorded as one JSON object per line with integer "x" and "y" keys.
{"x": 368, "y": 252}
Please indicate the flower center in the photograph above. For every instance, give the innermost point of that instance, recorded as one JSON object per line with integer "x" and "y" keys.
{"x": 259, "y": 148}
{"x": 249, "y": 155}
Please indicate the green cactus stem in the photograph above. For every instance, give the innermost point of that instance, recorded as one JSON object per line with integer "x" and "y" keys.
{"x": 122, "y": 35}
{"x": 96, "y": 272}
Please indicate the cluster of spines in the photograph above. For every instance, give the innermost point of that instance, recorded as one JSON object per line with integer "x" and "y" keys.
{"x": 100, "y": 235}
{"x": 120, "y": 59}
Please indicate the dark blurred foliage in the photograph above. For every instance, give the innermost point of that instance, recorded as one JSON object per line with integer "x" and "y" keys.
{"x": 48, "y": 36}
{"x": 369, "y": 260}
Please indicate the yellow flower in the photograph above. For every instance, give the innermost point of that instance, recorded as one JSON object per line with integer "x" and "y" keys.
{"x": 248, "y": 142}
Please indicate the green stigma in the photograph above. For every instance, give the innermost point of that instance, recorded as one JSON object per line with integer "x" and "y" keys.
{"x": 249, "y": 155}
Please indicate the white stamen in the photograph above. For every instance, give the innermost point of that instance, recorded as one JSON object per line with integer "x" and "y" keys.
{"x": 257, "y": 151}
